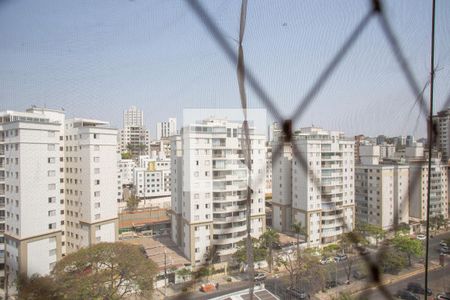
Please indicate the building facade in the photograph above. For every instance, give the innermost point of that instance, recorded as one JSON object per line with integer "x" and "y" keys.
{"x": 322, "y": 191}
{"x": 209, "y": 189}
{"x": 166, "y": 129}
{"x": 443, "y": 137}
{"x": 60, "y": 178}
{"x": 382, "y": 194}
{"x": 133, "y": 117}
{"x": 152, "y": 178}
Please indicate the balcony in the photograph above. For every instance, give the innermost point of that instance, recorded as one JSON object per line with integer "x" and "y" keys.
{"x": 331, "y": 191}
{"x": 230, "y": 219}
{"x": 230, "y": 208}
{"x": 224, "y": 241}
{"x": 230, "y": 230}
{"x": 331, "y": 166}
{"x": 331, "y": 158}
{"x": 227, "y": 251}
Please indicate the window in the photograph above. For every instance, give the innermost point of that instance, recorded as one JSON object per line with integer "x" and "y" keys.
{"x": 97, "y": 194}
{"x": 97, "y": 204}
{"x": 51, "y": 160}
{"x": 97, "y": 171}
{"x": 97, "y": 181}
{"x": 96, "y": 159}
{"x": 51, "y": 173}
{"x": 51, "y": 187}
{"x": 51, "y": 134}
{"x": 52, "y": 200}
{"x": 51, "y": 147}
{"x": 52, "y": 226}
{"x": 52, "y": 252}
{"x": 51, "y": 213}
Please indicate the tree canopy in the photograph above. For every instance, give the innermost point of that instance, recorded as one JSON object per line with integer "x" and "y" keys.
{"x": 410, "y": 247}
{"x": 103, "y": 271}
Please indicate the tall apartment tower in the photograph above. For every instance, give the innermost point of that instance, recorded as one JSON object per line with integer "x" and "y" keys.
{"x": 322, "y": 192}
{"x": 90, "y": 183}
{"x": 443, "y": 138}
{"x": 166, "y": 129}
{"x": 134, "y": 137}
{"x": 209, "y": 189}
{"x": 381, "y": 190}
{"x": 419, "y": 190}
{"x": 133, "y": 117}
{"x": 55, "y": 186}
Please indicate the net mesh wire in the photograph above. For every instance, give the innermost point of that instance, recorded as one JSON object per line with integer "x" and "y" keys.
{"x": 246, "y": 78}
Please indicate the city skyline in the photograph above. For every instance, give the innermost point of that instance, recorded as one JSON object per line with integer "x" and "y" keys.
{"x": 97, "y": 57}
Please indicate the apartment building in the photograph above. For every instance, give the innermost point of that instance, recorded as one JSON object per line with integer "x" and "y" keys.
{"x": 209, "y": 189}
{"x": 443, "y": 138}
{"x": 419, "y": 190}
{"x": 135, "y": 140}
{"x": 60, "y": 178}
{"x": 322, "y": 191}
{"x": 381, "y": 190}
{"x": 126, "y": 170}
{"x": 152, "y": 177}
{"x": 269, "y": 169}
{"x": 134, "y": 137}
{"x": 166, "y": 129}
{"x": 133, "y": 117}
{"x": 90, "y": 178}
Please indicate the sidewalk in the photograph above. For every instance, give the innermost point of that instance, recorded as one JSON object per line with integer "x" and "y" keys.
{"x": 193, "y": 289}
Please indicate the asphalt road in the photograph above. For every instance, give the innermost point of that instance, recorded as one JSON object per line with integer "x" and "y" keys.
{"x": 438, "y": 281}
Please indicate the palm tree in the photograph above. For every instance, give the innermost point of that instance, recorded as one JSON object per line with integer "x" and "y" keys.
{"x": 299, "y": 230}
{"x": 269, "y": 238}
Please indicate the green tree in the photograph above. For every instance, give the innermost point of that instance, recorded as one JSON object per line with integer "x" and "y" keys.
{"x": 259, "y": 252}
{"x": 300, "y": 230}
{"x": 37, "y": 287}
{"x": 403, "y": 228}
{"x": 410, "y": 247}
{"x": 184, "y": 273}
{"x": 302, "y": 268}
{"x": 390, "y": 261}
{"x": 126, "y": 155}
{"x": 132, "y": 202}
{"x": 269, "y": 239}
{"x": 330, "y": 249}
{"x": 103, "y": 271}
{"x": 440, "y": 222}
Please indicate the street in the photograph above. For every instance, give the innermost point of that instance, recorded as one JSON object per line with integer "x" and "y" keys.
{"x": 439, "y": 280}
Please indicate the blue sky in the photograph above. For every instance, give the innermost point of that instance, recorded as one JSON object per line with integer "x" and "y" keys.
{"x": 96, "y": 58}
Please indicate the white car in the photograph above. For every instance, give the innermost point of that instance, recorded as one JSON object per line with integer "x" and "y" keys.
{"x": 421, "y": 237}
{"x": 442, "y": 243}
{"x": 326, "y": 260}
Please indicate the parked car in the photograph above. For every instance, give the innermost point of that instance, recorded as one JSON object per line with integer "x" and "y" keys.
{"x": 444, "y": 249}
{"x": 358, "y": 275}
{"x": 418, "y": 289}
{"x": 297, "y": 293}
{"x": 407, "y": 295}
{"x": 443, "y": 243}
{"x": 260, "y": 277}
{"x": 421, "y": 237}
{"x": 207, "y": 287}
{"x": 442, "y": 296}
{"x": 340, "y": 257}
{"x": 326, "y": 260}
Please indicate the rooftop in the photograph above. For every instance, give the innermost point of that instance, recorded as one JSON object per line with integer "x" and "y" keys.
{"x": 158, "y": 247}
